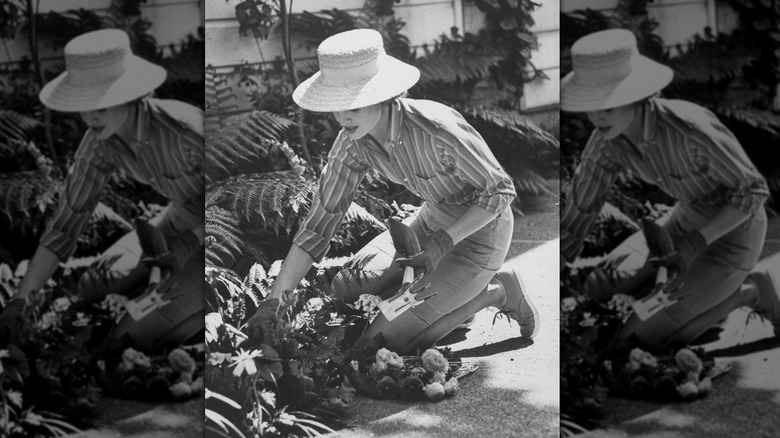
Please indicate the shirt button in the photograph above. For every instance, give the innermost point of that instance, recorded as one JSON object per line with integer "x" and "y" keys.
{"x": 406, "y": 179}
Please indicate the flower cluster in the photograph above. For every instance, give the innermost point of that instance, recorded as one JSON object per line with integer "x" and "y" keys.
{"x": 685, "y": 376}
{"x": 156, "y": 378}
{"x": 367, "y": 303}
{"x": 389, "y": 376}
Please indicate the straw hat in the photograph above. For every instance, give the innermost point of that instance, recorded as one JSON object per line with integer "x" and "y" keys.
{"x": 101, "y": 71}
{"x": 355, "y": 72}
{"x": 609, "y": 72}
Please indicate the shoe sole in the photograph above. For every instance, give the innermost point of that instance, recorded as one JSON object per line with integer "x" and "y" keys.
{"x": 535, "y": 313}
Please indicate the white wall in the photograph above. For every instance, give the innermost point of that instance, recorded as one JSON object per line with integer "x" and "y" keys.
{"x": 678, "y": 20}
{"x": 425, "y": 21}
{"x": 172, "y": 21}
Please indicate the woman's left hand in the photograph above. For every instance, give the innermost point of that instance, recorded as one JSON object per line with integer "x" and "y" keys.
{"x": 432, "y": 249}
{"x": 690, "y": 247}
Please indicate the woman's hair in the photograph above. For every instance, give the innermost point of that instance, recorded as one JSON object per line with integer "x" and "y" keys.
{"x": 400, "y": 96}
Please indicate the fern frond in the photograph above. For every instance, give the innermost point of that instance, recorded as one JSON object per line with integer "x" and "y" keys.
{"x": 276, "y": 200}
{"x": 15, "y": 128}
{"x": 456, "y": 62}
{"x": 24, "y": 199}
{"x": 528, "y": 153}
{"x": 223, "y": 237}
{"x": 248, "y": 141}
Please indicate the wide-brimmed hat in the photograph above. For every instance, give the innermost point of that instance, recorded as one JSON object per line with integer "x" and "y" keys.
{"x": 101, "y": 71}
{"x": 355, "y": 72}
{"x": 610, "y": 72}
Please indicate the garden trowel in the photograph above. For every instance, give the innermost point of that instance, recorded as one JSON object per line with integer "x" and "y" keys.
{"x": 660, "y": 244}
{"x": 153, "y": 243}
{"x": 407, "y": 245}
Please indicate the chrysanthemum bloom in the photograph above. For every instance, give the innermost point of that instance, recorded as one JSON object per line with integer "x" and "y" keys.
{"x": 434, "y": 361}
{"x": 387, "y": 388}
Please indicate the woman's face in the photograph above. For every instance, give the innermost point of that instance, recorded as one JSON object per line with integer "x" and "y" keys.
{"x": 108, "y": 121}
{"x": 359, "y": 122}
{"x": 614, "y": 121}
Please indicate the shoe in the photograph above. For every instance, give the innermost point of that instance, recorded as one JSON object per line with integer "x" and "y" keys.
{"x": 768, "y": 285}
{"x": 467, "y": 323}
{"x": 518, "y": 305}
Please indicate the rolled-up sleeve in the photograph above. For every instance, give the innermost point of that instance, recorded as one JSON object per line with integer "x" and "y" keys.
{"x": 589, "y": 189}
{"x": 728, "y": 176}
{"x": 463, "y": 152}
{"x": 337, "y": 187}
{"x": 84, "y": 183}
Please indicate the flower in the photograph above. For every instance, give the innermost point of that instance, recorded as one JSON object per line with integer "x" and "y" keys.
{"x": 82, "y": 320}
{"x": 387, "y": 388}
{"x": 434, "y": 391}
{"x": 217, "y": 358}
{"x": 131, "y": 357}
{"x": 439, "y": 377}
{"x": 568, "y": 304}
{"x": 61, "y": 304}
{"x": 181, "y": 361}
{"x": 451, "y": 387}
{"x": 245, "y": 361}
{"x": 588, "y": 320}
{"x": 368, "y": 303}
{"x": 181, "y": 391}
{"x": 434, "y": 361}
{"x": 390, "y": 358}
{"x": 688, "y": 391}
{"x": 378, "y": 368}
{"x": 411, "y": 388}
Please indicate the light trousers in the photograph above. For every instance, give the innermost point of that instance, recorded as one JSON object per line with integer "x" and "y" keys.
{"x": 709, "y": 290}
{"x": 458, "y": 279}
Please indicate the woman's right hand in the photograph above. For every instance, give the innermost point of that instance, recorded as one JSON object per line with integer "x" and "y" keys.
{"x": 12, "y": 317}
{"x": 264, "y": 321}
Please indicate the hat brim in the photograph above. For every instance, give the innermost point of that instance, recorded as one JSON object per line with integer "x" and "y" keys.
{"x": 646, "y": 78}
{"x": 140, "y": 78}
{"x": 392, "y": 78}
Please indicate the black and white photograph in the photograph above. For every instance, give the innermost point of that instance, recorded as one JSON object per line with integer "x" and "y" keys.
{"x": 670, "y": 237}
{"x": 382, "y": 218}
{"x": 102, "y": 223}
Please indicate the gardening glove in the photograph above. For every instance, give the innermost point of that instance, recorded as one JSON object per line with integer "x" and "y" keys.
{"x": 691, "y": 245}
{"x": 432, "y": 249}
{"x": 174, "y": 259}
{"x": 12, "y": 318}
{"x": 264, "y": 321}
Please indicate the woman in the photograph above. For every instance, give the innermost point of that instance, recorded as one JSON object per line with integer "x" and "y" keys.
{"x": 157, "y": 142}
{"x": 464, "y": 226}
{"x": 718, "y": 224}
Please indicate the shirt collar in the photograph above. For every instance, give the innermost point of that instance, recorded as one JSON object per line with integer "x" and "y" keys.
{"x": 648, "y": 124}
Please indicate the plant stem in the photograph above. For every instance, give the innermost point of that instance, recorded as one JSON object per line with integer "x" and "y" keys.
{"x": 33, "y": 43}
{"x": 287, "y": 47}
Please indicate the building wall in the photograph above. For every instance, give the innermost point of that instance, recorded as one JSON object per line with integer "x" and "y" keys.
{"x": 426, "y": 20}
{"x": 679, "y": 20}
{"x": 172, "y": 21}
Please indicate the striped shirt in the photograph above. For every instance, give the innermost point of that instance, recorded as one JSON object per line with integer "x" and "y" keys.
{"x": 168, "y": 155}
{"x": 432, "y": 151}
{"x": 685, "y": 151}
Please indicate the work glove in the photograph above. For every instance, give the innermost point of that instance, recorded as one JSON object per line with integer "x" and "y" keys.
{"x": 432, "y": 249}
{"x": 12, "y": 318}
{"x": 686, "y": 251}
{"x": 264, "y": 321}
{"x": 174, "y": 259}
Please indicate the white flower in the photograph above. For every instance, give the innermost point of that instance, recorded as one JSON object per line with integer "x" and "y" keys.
{"x": 245, "y": 360}
{"x": 82, "y": 320}
{"x": 61, "y": 304}
{"x": 568, "y": 304}
{"x": 48, "y": 320}
{"x": 21, "y": 268}
{"x": 588, "y": 320}
{"x": 367, "y": 303}
{"x": 314, "y": 304}
{"x": 217, "y": 358}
